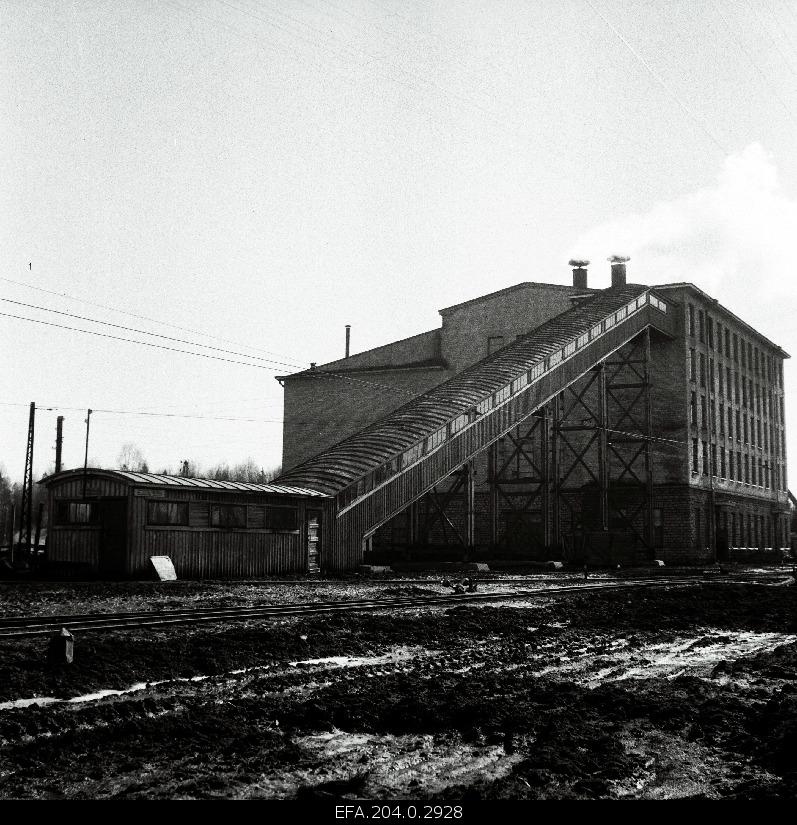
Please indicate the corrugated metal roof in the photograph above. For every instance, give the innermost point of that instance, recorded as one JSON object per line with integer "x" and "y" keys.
{"x": 350, "y": 459}
{"x": 159, "y": 480}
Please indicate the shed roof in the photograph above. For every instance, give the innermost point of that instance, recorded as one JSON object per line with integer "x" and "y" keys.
{"x": 159, "y": 480}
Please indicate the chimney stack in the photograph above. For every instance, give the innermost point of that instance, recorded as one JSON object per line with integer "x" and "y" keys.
{"x": 579, "y": 273}
{"x": 618, "y": 263}
{"x": 348, "y": 338}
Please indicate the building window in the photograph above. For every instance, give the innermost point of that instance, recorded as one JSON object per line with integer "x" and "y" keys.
{"x": 747, "y": 469}
{"x": 739, "y": 476}
{"x": 721, "y": 382}
{"x": 711, "y": 373}
{"x": 167, "y": 512}
{"x": 735, "y": 349}
{"x": 702, "y": 370}
{"x": 730, "y": 464}
{"x": 705, "y": 458}
{"x": 714, "y": 459}
{"x": 730, "y": 423}
{"x": 694, "y": 456}
{"x": 722, "y": 462}
{"x": 703, "y": 417}
{"x": 721, "y": 418}
{"x": 77, "y": 512}
{"x": 744, "y": 423}
{"x": 692, "y": 320}
{"x": 693, "y": 408}
{"x": 727, "y": 343}
{"x": 228, "y": 515}
{"x": 701, "y": 325}
{"x": 738, "y": 426}
{"x": 692, "y": 366}
{"x": 710, "y": 325}
{"x": 494, "y": 343}
{"x": 282, "y": 518}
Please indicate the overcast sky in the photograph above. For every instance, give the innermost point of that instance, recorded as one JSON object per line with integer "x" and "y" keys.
{"x": 266, "y": 172}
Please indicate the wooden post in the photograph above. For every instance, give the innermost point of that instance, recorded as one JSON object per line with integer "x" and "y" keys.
{"x": 11, "y": 532}
{"x": 59, "y": 440}
{"x": 38, "y": 530}
{"x": 492, "y": 473}
{"x": 470, "y": 507}
{"x": 603, "y": 447}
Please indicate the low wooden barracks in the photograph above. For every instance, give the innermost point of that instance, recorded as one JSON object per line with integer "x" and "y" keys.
{"x": 546, "y": 422}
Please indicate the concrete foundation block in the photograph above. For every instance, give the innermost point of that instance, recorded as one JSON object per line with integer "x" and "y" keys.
{"x": 474, "y": 567}
{"x": 374, "y": 570}
{"x": 61, "y": 649}
{"x": 554, "y": 565}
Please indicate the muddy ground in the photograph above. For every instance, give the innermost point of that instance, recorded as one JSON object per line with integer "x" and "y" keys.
{"x": 687, "y": 691}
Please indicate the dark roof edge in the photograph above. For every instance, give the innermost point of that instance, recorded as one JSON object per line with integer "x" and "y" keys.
{"x": 167, "y": 481}
{"x": 506, "y": 290}
{"x": 699, "y": 291}
{"x": 356, "y": 354}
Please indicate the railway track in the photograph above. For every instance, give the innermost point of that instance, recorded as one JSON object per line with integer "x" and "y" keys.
{"x": 22, "y": 626}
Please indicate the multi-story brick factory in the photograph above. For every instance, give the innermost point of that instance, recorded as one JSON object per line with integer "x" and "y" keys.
{"x": 545, "y": 422}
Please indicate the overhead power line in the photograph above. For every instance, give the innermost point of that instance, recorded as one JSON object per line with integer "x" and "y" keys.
{"x": 140, "y": 317}
{"x": 55, "y": 407}
{"x": 134, "y": 341}
{"x": 146, "y": 332}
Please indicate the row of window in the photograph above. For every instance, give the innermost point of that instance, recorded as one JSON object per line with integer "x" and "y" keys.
{"x": 183, "y": 513}
{"x": 732, "y": 385}
{"x": 242, "y": 516}
{"x": 748, "y": 429}
{"x": 743, "y": 529}
{"x": 726, "y": 342}
{"x": 735, "y": 466}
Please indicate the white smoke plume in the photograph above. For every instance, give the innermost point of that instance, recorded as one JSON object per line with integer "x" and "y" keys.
{"x": 733, "y": 239}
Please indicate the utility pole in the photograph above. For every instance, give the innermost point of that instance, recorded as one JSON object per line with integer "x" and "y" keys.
{"x": 59, "y": 440}
{"x": 26, "y": 516}
{"x": 86, "y": 455}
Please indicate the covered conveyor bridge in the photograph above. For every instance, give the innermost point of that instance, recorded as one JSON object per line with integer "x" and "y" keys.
{"x": 379, "y": 472}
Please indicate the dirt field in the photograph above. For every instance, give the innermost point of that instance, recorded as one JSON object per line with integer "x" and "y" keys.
{"x": 676, "y": 692}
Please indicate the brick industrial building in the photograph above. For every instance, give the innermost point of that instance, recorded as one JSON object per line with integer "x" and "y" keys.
{"x": 545, "y": 421}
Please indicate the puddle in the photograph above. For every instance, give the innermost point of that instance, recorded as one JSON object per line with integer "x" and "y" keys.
{"x": 695, "y": 656}
{"x": 401, "y": 654}
{"x": 361, "y": 661}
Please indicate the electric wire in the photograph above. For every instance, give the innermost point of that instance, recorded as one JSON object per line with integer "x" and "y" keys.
{"x": 146, "y": 332}
{"x": 135, "y": 315}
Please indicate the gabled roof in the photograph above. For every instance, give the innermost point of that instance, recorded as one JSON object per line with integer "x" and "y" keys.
{"x": 507, "y": 290}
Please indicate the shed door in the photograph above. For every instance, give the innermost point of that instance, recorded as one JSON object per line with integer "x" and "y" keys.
{"x": 313, "y": 541}
{"x": 114, "y": 536}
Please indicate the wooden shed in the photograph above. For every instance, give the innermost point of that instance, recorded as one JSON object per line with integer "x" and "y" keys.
{"x": 110, "y": 522}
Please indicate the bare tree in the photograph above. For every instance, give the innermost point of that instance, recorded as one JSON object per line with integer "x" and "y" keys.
{"x": 131, "y": 458}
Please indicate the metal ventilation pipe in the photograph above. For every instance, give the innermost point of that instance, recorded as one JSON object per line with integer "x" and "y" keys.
{"x": 618, "y": 263}
{"x": 348, "y": 339}
{"x": 579, "y": 273}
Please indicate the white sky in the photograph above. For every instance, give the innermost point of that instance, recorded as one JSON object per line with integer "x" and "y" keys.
{"x": 268, "y": 172}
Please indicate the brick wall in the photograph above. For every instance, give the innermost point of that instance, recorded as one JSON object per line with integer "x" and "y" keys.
{"x": 321, "y": 410}
{"x": 509, "y": 313}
